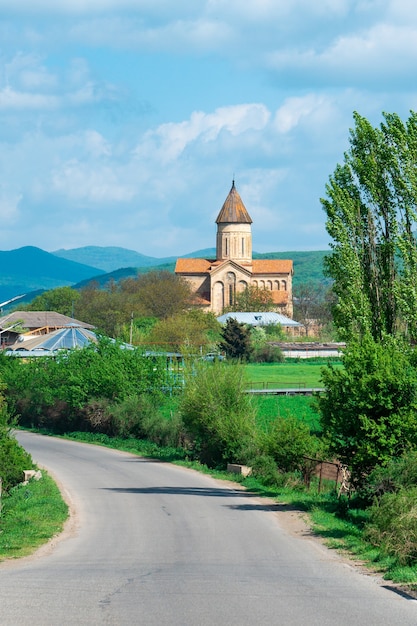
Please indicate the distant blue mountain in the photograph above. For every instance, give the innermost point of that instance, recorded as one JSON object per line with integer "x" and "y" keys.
{"x": 29, "y": 269}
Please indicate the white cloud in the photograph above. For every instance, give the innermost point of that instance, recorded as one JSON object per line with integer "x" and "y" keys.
{"x": 12, "y": 100}
{"x": 313, "y": 108}
{"x": 169, "y": 140}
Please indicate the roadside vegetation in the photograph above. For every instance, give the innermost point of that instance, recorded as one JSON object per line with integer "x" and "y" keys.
{"x": 200, "y": 413}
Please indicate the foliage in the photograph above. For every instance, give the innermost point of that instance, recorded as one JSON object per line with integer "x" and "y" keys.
{"x": 160, "y": 294}
{"x": 236, "y": 341}
{"x": 61, "y": 300}
{"x": 393, "y": 525}
{"x": 217, "y": 415}
{"x": 274, "y": 332}
{"x": 13, "y": 458}
{"x": 139, "y": 416}
{"x": 288, "y": 440}
{"x": 54, "y": 391}
{"x": 369, "y": 410}
{"x": 371, "y": 217}
{"x": 267, "y": 354}
{"x": 189, "y": 332}
{"x": 252, "y": 299}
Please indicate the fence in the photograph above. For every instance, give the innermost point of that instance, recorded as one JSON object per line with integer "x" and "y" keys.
{"x": 324, "y": 470}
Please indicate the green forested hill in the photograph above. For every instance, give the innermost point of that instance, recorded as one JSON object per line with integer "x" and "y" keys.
{"x": 308, "y": 266}
{"x": 29, "y": 269}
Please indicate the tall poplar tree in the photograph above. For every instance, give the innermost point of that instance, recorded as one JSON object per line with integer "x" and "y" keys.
{"x": 371, "y": 208}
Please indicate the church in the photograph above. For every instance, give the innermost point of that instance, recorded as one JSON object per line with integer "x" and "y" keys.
{"x": 215, "y": 282}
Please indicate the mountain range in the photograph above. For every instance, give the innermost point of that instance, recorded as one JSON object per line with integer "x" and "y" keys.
{"x": 29, "y": 270}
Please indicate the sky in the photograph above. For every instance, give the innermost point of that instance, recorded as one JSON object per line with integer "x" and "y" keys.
{"x": 124, "y": 122}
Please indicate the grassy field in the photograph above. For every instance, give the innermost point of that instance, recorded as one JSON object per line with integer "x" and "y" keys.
{"x": 291, "y": 374}
{"x": 271, "y": 407}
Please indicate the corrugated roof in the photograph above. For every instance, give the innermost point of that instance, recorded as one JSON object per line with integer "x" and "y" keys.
{"x": 271, "y": 266}
{"x": 67, "y": 338}
{"x": 258, "y": 319}
{"x": 233, "y": 210}
{"x": 40, "y": 319}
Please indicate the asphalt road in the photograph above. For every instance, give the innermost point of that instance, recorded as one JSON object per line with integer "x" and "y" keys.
{"x": 156, "y": 544}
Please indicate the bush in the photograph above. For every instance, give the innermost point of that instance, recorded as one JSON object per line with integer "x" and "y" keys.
{"x": 139, "y": 416}
{"x": 287, "y": 441}
{"x": 393, "y": 525}
{"x": 265, "y": 468}
{"x": 217, "y": 415}
{"x": 369, "y": 410}
{"x": 13, "y": 458}
{"x": 13, "y": 461}
{"x": 267, "y": 354}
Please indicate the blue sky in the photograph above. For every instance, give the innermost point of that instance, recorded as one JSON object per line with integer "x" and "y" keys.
{"x": 123, "y": 122}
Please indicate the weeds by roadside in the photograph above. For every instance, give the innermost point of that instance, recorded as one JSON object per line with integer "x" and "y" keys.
{"x": 31, "y": 515}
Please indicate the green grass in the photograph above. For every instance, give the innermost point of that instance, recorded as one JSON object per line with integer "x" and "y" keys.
{"x": 269, "y": 408}
{"x": 291, "y": 374}
{"x": 30, "y": 516}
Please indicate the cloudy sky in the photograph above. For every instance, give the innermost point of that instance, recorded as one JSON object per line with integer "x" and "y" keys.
{"x": 123, "y": 122}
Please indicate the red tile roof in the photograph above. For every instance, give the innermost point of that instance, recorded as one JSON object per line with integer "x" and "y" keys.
{"x": 192, "y": 266}
{"x": 271, "y": 266}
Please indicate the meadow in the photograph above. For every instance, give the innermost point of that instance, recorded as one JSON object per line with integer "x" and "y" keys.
{"x": 296, "y": 374}
{"x": 292, "y": 374}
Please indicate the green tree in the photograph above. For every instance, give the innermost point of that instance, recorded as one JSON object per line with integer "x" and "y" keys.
{"x": 61, "y": 300}
{"x": 236, "y": 340}
{"x": 188, "y": 331}
{"x": 158, "y": 293}
{"x": 369, "y": 410}
{"x": 371, "y": 217}
{"x": 252, "y": 299}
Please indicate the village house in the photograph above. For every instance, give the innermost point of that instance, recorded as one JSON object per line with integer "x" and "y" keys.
{"x": 215, "y": 282}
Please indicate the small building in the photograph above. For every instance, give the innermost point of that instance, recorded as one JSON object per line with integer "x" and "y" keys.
{"x": 261, "y": 319}
{"x": 68, "y": 338}
{"x": 27, "y": 324}
{"x": 215, "y": 282}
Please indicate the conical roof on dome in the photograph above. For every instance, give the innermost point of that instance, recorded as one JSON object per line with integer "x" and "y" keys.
{"x": 233, "y": 210}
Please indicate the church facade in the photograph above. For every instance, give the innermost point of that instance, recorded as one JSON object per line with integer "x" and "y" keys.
{"x": 215, "y": 282}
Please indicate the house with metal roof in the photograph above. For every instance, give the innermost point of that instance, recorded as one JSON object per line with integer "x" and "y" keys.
{"x": 215, "y": 282}
{"x": 67, "y": 338}
{"x": 260, "y": 319}
{"x": 27, "y": 324}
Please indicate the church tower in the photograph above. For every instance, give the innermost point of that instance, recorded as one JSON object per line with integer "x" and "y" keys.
{"x": 234, "y": 231}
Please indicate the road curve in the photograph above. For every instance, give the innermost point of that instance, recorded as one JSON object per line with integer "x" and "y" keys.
{"x": 156, "y": 544}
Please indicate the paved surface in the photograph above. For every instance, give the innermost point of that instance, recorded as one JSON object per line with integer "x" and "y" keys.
{"x": 160, "y": 545}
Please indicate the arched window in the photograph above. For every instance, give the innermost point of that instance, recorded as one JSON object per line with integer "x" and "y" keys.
{"x": 276, "y": 285}
{"x": 284, "y": 285}
{"x": 269, "y": 284}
